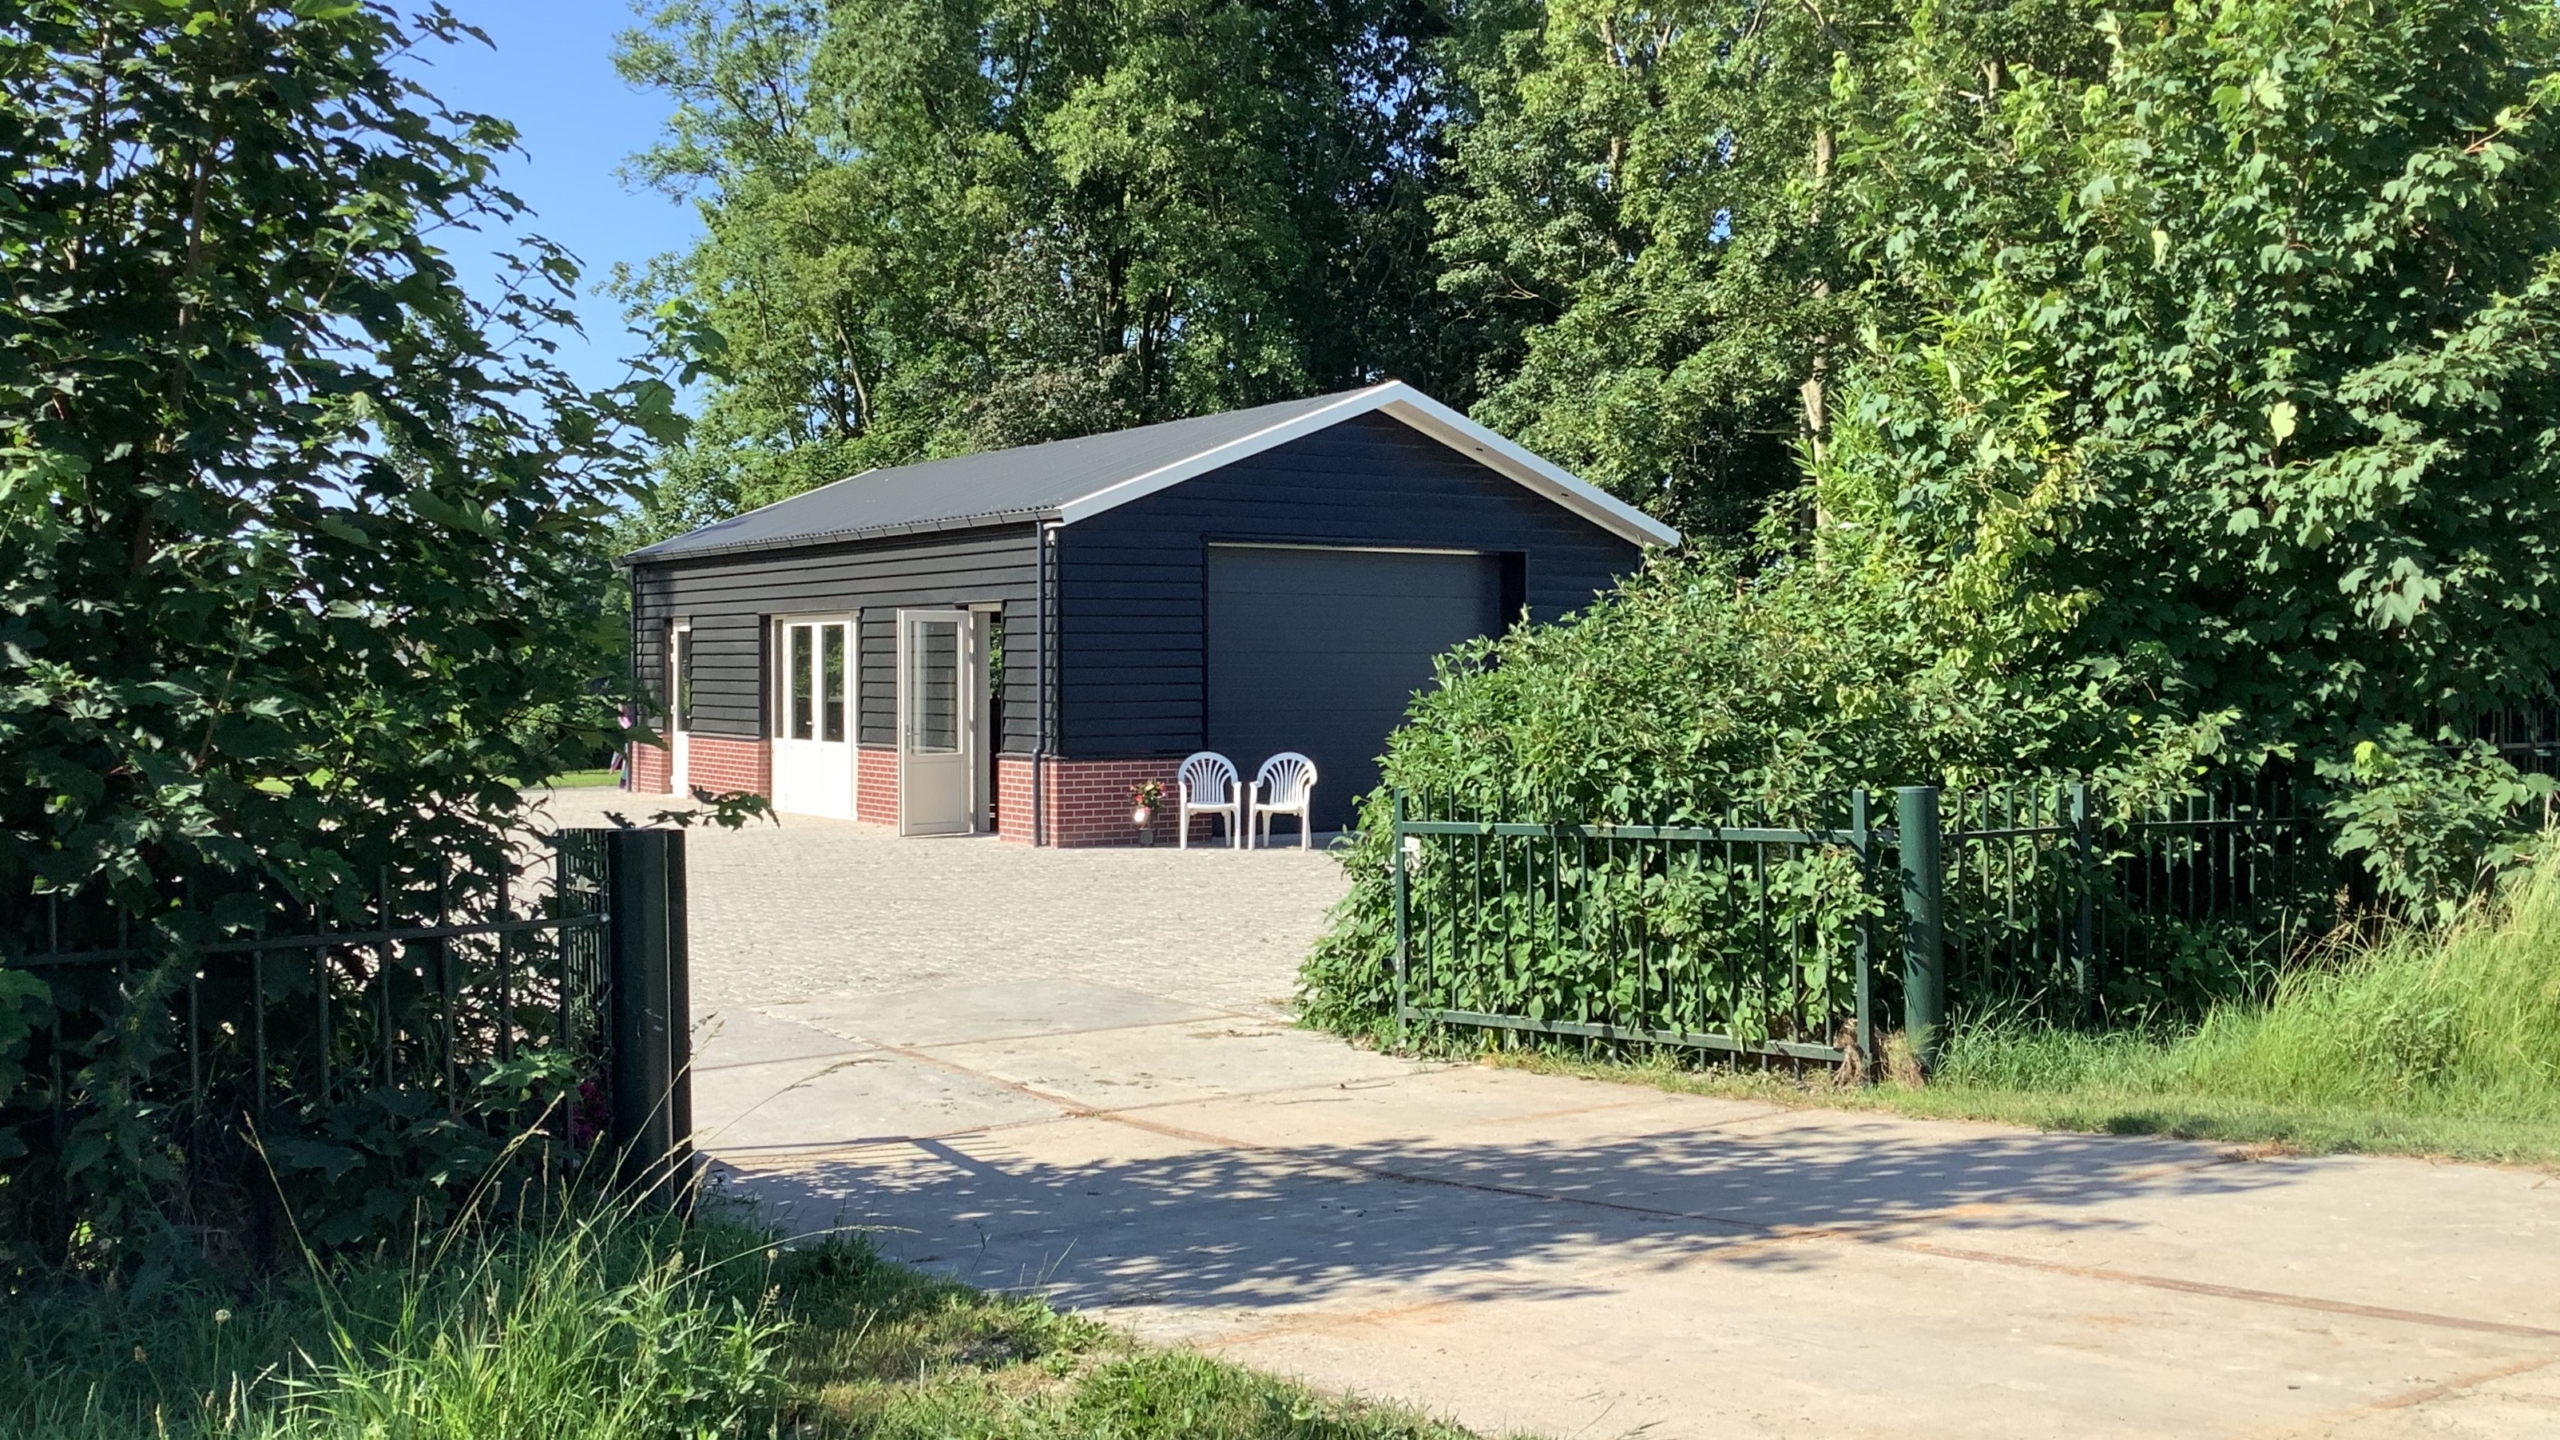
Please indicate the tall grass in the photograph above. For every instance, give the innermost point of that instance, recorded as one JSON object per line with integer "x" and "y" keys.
{"x": 611, "y": 1323}
{"x": 2417, "y": 1041}
{"x": 2463, "y": 1021}
{"x": 599, "y": 1323}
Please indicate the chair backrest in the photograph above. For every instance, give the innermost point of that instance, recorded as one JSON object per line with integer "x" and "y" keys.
{"x": 1207, "y": 776}
{"x": 1285, "y": 778}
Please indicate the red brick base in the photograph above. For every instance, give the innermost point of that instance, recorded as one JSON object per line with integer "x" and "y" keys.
{"x": 875, "y": 784}
{"x": 652, "y": 769}
{"x": 1087, "y": 801}
{"x": 718, "y": 763}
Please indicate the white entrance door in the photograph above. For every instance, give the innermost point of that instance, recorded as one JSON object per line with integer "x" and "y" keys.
{"x": 813, "y": 742}
{"x": 941, "y": 693}
{"x": 679, "y": 709}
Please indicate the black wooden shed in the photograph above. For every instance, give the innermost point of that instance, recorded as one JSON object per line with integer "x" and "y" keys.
{"x": 1011, "y": 640}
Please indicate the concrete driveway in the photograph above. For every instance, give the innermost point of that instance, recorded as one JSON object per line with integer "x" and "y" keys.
{"x": 1067, "y": 1072}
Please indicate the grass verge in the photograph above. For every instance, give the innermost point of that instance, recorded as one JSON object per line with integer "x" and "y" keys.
{"x": 2103, "y": 1110}
{"x": 2422, "y": 1042}
{"x": 582, "y": 780}
{"x": 618, "y": 1327}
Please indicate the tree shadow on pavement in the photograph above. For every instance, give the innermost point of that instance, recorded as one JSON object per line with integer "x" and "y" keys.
{"x": 1248, "y": 1227}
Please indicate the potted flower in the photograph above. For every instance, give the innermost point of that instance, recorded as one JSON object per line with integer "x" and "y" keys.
{"x": 1144, "y": 798}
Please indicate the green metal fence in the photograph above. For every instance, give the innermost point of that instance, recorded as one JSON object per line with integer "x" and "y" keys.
{"x": 2033, "y": 901}
{"x": 1744, "y": 939}
{"x": 577, "y": 957}
{"x": 2057, "y": 906}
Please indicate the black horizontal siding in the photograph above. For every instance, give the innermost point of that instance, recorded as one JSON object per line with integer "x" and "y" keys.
{"x": 1131, "y": 581}
{"x": 730, "y": 600}
{"x": 876, "y": 708}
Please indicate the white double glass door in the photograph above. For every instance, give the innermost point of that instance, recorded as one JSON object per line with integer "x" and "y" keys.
{"x": 813, "y": 769}
{"x": 942, "y": 688}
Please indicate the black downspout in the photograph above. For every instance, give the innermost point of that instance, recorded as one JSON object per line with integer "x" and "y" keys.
{"x": 1042, "y": 535}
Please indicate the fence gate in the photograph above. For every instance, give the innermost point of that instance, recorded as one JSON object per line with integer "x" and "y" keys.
{"x": 1747, "y": 940}
{"x": 447, "y": 979}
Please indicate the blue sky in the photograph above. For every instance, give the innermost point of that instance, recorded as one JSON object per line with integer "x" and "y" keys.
{"x": 551, "y": 73}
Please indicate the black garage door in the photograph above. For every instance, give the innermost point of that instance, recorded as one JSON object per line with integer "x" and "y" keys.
{"x": 1320, "y": 651}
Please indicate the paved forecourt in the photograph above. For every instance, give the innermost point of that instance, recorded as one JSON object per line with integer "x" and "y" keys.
{"x": 1069, "y": 1072}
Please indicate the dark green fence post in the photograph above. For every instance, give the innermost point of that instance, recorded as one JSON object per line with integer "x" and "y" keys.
{"x": 2087, "y": 884}
{"x": 1924, "y": 960}
{"x": 645, "y": 955}
{"x": 1862, "y": 839}
{"x": 1403, "y": 913}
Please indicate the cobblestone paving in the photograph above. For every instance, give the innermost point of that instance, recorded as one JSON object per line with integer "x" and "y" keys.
{"x": 808, "y": 907}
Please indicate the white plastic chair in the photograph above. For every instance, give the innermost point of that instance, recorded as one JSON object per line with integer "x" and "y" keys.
{"x": 1285, "y": 785}
{"x": 1209, "y": 786}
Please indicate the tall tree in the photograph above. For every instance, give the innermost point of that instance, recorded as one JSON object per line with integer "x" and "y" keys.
{"x": 1645, "y": 210}
{"x": 2225, "y": 382}
{"x": 301, "y": 548}
{"x": 1638, "y": 214}
{"x": 938, "y": 225}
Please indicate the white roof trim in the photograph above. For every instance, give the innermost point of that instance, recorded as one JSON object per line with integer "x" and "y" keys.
{"x": 1529, "y": 468}
{"x": 1404, "y": 403}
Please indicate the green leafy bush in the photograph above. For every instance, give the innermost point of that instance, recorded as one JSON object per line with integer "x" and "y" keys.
{"x": 1697, "y": 695}
{"x": 2211, "y": 368}
{"x": 1692, "y": 692}
{"x": 2195, "y": 416}
{"x": 2434, "y": 822}
{"x": 303, "y": 548}
{"x": 25, "y": 1003}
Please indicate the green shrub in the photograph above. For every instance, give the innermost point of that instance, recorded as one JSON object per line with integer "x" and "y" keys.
{"x": 303, "y": 542}
{"x": 1699, "y": 695}
{"x": 2433, "y": 823}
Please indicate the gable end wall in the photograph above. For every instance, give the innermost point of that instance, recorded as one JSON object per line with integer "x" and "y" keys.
{"x": 1132, "y": 581}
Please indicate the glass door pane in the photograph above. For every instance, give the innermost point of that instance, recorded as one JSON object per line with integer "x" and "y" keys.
{"x": 934, "y": 715}
{"x": 831, "y": 682}
{"x": 804, "y": 700}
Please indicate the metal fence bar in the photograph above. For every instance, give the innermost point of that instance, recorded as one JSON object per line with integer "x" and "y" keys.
{"x": 382, "y": 963}
{"x": 1738, "y": 834}
{"x": 350, "y": 939}
{"x": 1403, "y": 882}
{"x": 1864, "y": 846}
{"x": 2083, "y": 886}
{"x": 1684, "y": 1039}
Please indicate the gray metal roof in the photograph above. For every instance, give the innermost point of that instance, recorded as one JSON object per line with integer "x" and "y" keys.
{"x": 1072, "y": 480}
{"x": 1031, "y": 482}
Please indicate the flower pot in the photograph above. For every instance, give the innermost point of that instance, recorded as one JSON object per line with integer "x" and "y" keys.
{"x": 1144, "y": 819}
